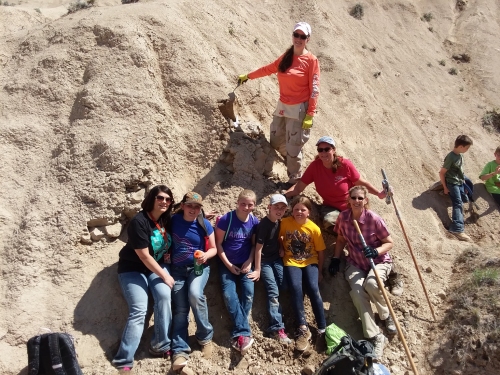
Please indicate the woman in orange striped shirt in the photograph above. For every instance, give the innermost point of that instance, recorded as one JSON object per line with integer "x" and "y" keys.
{"x": 298, "y": 77}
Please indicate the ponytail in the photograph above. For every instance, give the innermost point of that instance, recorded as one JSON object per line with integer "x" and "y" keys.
{"x": 286, "y": 61}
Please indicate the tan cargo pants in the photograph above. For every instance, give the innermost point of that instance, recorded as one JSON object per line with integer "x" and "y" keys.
{"x": 287, "y": 136}
{"x": 364, "y": 288}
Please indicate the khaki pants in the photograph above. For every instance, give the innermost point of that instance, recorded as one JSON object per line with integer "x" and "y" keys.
{"x": 364, "y": 288}
{"x": 329, "y": 215}
{"x": 287, "y": 137}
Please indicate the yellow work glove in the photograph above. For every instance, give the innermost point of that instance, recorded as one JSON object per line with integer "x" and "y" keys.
{"x": 242, "y": 78}
{"x": 308, "y": 122}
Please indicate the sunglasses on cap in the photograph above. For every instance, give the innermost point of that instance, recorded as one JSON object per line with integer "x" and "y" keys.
{"x": 326, "y": 149}
{"x": 357, "y": 198}
{"x": 300, "y": 36}
{"x": 161, "y": 198}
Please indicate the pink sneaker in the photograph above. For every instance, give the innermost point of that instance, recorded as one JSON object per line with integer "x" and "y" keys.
{"x": 245, "y": 343}
{"x": 281, "y": 336}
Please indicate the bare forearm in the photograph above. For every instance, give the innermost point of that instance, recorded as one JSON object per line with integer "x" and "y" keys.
{"x": 371, "y": 189}
{"x": 339, "y": 246}
{"x": 258, "y": 257}
{"x": 153, "y": 266}
{"x": 321, "y": 260}
{"x": 295, "y": 189}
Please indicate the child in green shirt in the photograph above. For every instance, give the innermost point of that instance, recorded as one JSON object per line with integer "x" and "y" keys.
{"x": 491, "y": 176}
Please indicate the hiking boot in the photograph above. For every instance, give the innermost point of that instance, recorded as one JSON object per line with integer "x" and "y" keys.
{"x": 378, "y": 342}
{"x": 302, "y": 337}
{"x": 461, "y": 236}
{"x": 390, "y": 326}
{"x": 245, "y": 343}
{"x": 320, "y": 343}
{"x": 179, "y": 362}
{"x": 207, "y": 349}
{"x": 395, "y": 282}
{"x": 235, "y": 343}
{"x": 156, "y": 353}
{"x": 281, "y": 336}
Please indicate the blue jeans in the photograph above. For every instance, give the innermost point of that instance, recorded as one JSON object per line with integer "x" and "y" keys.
{"x": 457, "y": 216}
{"x": 188, "y": 291}
{"x": 307, "y": 276}
{"x": 272, "y": 275}
{"x": 135, "y": 286}
{"x": 238, "y": 306}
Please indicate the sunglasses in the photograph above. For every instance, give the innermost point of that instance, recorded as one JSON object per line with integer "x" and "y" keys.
{"x": 326, "y": 149}
{"x": 300, "y": 36}
{"x": 161, "y": 198}
{"x": 357, "y": 198}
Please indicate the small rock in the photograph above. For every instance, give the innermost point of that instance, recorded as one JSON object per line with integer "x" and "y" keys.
{"x": 96, "y": 234}
{"x": 428, "y": 270}
{"x": 187, "y": 371}
{"x": 308, "y": 370}
{"x": 137, "y": 197}
{"x": 85, "y": 239}
{"x": 114, "y": 230}
{"x": 442, "y": 294}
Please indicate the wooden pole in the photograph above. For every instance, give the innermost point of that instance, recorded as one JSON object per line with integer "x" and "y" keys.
{"x": 391, "y": 197}
{"x": 384, "y": 293}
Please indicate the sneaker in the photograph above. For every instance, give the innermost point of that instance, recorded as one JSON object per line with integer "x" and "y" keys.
{"x": 245, "y": 343}
{"x": 180, "y": 361}
{"x": 378, "y": 342}
{"x": 390, "y": 326}
{"x": 125, "y": 370}
{"x": 396, "y": 284}
{"x": 207, "y": 349}
{"x": 281, "y": 336}
{"x": 302, "y": 337}
{"x": 156, "y": 353}
{"x": 235, "y": 343}
{"x": 320, "y": 342}
{"x": 461, "y": 236}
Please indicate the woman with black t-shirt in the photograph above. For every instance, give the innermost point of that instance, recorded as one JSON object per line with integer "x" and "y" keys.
{"x": 142, "y": 268}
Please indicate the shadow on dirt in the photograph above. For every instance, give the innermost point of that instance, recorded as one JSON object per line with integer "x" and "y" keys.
{"x": 102, "y": 311}
{"x": 440, "y": 203}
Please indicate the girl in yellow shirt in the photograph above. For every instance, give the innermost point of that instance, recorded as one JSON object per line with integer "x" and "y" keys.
{"x": 303, "y": 256}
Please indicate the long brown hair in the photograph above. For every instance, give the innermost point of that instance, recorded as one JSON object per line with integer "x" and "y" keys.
{"x": 337, "y": 161}
{"x": 286, "y": 61}
{"x": 149, "y": 202}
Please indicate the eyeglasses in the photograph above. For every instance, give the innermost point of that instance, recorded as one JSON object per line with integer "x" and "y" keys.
{"x": 326, "y": 149}
{"x": 357, "y": 198}
{"x": 300, "y": 36}
{"x": 161, "y": 198}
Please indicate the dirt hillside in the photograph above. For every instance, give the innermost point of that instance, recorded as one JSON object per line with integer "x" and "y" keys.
{"x": 98, "y": 105}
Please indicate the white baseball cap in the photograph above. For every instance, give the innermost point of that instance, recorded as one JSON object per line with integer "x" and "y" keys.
{"x": 278, "y": 198}
{"x": 304, "y": 27}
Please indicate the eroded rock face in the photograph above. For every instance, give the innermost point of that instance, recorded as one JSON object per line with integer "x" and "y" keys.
{"x": 248, "y": 154}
